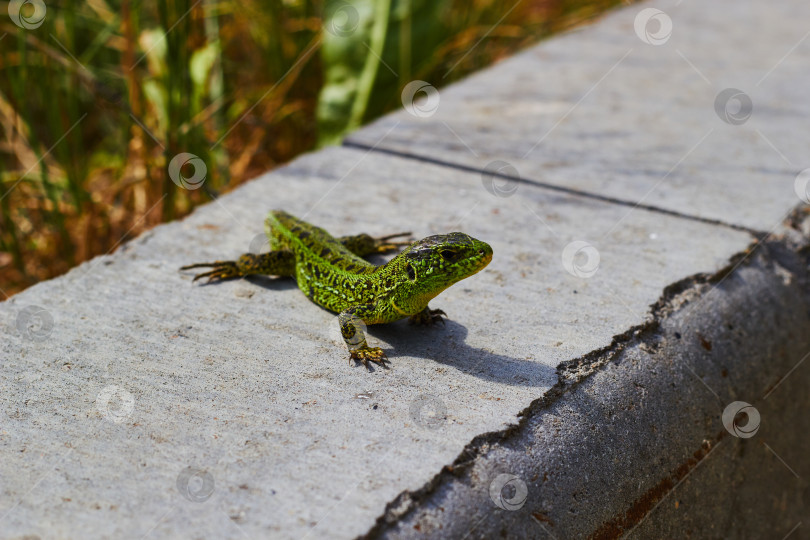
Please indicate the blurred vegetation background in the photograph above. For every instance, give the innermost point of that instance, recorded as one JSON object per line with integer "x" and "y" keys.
{"x": 97, "y": 97}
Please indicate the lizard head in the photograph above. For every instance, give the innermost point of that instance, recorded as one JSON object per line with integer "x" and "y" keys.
{"x": 429, "y": 266}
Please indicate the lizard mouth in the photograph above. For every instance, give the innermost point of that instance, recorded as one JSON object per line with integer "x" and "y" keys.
{"x": 484, "y": 257}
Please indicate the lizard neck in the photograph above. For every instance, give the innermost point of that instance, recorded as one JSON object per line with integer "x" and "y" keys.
{"x": 414, "y": 303}
{"x": 398, "y": 309}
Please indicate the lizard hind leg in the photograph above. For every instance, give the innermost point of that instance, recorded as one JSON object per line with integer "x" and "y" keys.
{"x": 274, "y": 263}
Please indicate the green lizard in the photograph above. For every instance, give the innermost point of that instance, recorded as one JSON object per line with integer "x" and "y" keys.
{"x": 331, "y": 272}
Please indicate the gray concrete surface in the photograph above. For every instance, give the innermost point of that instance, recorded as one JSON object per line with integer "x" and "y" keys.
{"x": 248, "y": 381}
{"x": 600, "y": 111}
{"x": 555, "y": 401}
{"x": 631, "y": 442}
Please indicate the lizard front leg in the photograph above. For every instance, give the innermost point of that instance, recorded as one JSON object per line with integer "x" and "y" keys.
{"x": 274, "y": 263}
{"x": 352, "y": 323}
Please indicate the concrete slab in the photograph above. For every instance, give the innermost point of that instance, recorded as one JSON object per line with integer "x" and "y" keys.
{"x": 693, "y": 427}
{"x": 638, "y": 112}
{"x": 136, "y": 404}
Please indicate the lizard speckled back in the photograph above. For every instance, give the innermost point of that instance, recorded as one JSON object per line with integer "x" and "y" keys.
{"x": 333, "y": 274}
{"x": 326, "y": 271}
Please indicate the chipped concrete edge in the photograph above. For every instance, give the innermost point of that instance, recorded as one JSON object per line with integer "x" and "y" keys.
{"x": 458, "y": 500}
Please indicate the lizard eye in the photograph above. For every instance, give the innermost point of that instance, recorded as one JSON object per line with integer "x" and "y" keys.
{"x": 448, "y": 255}
{"x": 411, "y": 272}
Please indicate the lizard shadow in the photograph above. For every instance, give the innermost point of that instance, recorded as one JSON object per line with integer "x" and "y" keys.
{"x": 272, "y": 283}
{"x": 445, "y": 344}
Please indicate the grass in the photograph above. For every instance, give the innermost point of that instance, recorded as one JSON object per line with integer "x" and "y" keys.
{"x": 97, "y": 97}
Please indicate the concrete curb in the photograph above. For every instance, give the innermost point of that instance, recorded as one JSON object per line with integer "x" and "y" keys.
{"x": 248, "y": 393}
{"x": 128, "y": 391}
{"x": 632, "y": 442}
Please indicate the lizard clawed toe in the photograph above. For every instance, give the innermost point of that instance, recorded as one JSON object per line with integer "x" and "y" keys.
{"x": 369, "y": 354}
{"x": 383, "y": 244}
{"x": 428, "y": 317}
{"x": 437, "y": 315}
{"x": 221, "y": 270}
{"x": 395, "y": 235}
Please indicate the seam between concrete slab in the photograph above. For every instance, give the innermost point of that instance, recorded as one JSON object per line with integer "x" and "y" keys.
{"x": 561, "y": 189}
{"x": 573, "y": 372}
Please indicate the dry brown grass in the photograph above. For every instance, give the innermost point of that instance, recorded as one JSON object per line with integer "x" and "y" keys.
{"x": 94, "y": 103}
